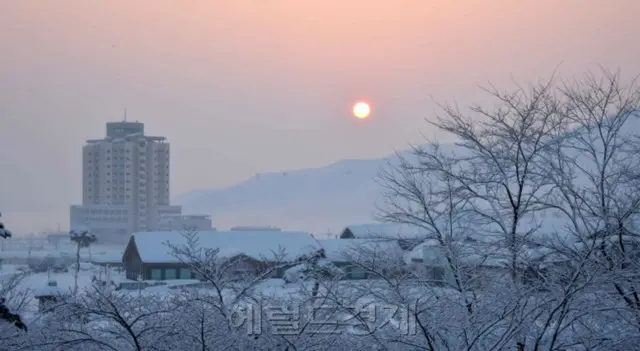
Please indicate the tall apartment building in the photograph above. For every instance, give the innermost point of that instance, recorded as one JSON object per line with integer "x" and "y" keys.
{"x": 125, "y": 180}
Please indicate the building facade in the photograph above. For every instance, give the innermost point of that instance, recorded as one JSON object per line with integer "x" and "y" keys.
{"x": 180, "y": 222}
{"x": 125, "y": 182}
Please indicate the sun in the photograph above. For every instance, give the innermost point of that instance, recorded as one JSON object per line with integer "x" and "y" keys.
{"x": 361, "y": 110}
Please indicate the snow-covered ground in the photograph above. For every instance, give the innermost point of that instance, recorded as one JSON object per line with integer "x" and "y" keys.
{"x": 61, "y": 250}
{"x": 35, "y": 282}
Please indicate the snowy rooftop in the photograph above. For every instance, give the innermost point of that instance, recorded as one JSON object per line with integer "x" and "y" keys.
{"x": 386, "y": 230}
{"x": 48, "y": 290}
{"x": 345, "y": 250}
{"x": 153, "y": 246}
{"x": 418, "y": 252}
{"x": 108, "y": 257}
{"x": 479, "y": 253}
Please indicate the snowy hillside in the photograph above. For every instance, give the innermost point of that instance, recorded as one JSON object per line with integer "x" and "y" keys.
{"x": 316, "y": 199}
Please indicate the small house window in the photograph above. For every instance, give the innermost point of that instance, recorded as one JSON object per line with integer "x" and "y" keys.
{"x": 170, "y": 273}
{"x": 185, "y": 273}
{"x": 436, "y": 274}
{"x": 156, "y": 274}
{"x": 357, "y": 273}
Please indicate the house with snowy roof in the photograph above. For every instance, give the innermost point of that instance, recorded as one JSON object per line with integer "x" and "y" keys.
{"x": 362, "y": 258}
{"x": 48, "y": 296}
{"x": 150, "y": 254}
{"x": 407, "y": 236}
{"x": 429, "y": 260}
{"x": 108, "y": 259}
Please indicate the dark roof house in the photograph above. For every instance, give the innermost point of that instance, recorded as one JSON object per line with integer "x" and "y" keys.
{"x": 407, "y": 236}
{"x": 354, "y": 255}
{"x": 149, "y": 255}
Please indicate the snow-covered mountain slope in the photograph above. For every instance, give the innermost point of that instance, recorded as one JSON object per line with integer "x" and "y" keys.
{"x": 318, "y": 199}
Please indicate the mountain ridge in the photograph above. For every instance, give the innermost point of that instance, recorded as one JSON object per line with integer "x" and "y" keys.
{"x": 318, "y": 199}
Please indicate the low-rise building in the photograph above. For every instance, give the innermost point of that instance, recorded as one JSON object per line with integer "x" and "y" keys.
{"x": 430, "y": 261}
{"x": 249, "y": 228}
{"x": 181, "y": 222}
{"x": 48, "y": 296}
{"x": 407, "y": 236}
{"x": 149, "y": 255}
{"x": 109, "y": 259}
{"x": 364, "y": 258}
{"x": 55, "y": 239}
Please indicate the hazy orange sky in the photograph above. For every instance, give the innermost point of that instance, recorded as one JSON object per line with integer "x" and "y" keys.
{"x": 248, "y": 86}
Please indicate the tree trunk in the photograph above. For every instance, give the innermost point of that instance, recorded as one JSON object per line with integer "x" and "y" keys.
{"x": 77, "y": 272}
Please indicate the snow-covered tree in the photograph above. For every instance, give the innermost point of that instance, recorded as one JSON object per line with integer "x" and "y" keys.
{"x": 228, "y": 289}
{"x": 83, "y": 239}
{"x": 8, "y": 285}
{"x": 9, "y": 317}
{"x": 596, "y": 173}
{"x": 4, "y": 232}
{"x": 488, "y": 187}
{"x": 533, "y": 182}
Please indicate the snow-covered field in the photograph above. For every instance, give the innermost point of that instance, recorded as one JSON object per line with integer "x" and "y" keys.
{"x": 61, "y": 250}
